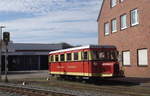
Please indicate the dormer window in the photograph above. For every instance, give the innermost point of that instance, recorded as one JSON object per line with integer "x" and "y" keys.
{"x": 113, "y": 3}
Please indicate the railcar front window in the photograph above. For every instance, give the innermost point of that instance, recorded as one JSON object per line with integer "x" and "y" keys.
{"x": 105, "y": 55}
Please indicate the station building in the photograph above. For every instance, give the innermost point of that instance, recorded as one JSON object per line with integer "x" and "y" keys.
{"x": 30, "y": 56}
{"x": 125, "y": 24}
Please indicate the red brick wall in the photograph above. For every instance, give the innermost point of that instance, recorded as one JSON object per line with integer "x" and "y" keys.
{"x": 132, "y": 38}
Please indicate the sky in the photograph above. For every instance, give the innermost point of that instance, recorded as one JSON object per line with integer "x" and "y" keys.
{"x": 51, "y": 21}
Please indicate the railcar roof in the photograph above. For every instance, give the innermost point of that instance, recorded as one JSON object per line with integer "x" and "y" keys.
{"x": 82, "y": 47}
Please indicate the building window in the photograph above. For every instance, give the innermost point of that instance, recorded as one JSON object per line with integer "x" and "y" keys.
{"x": 114, "y": 25}
{"x": 123, "y": 21}
{"x": 134, "y": 17}
{"x": 106, "y": 26}
{"x": 142, "y": 57}
{"x": 122, "y": 0}
{"x": 126, "y": 58}
{"x": 113, "y": 3}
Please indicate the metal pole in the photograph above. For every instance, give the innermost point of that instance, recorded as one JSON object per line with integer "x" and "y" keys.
{"x": 0, "y": 53}
{"x": 39, "y": 63}
{"x": 6, "y": 63}
{"x": 1, "y": 31}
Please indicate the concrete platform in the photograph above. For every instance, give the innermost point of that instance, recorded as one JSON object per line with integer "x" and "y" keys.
{"x": 26, "y": 74}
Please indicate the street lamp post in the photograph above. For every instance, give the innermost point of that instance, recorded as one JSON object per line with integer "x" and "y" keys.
{"x": 6, "y": 63}
{"x": 1, "y": 31}
{"x": 6, "y": 39}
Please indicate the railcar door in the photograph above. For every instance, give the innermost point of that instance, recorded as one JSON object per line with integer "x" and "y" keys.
{"x": 85, "y": 58}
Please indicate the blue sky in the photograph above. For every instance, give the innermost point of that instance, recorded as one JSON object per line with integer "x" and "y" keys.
{"x": 51, "y": 21}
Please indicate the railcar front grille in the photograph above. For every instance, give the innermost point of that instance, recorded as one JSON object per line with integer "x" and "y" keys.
{"x": 116, "y": 68}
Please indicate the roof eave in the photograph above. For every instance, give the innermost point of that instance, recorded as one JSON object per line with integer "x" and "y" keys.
{"x": 100, "y": 11}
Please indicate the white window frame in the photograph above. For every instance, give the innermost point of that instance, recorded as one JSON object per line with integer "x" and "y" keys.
{"x": 126, "y": 58}
{"x": 143, "y": 57}
{"x": 134, "y": 17}
{"x": 106, "y": 29}
{"x": 121, "y": 0}
{"x": 113, "y": 3}
{"x": 123, "y": 21}
{"x": 114, "y": 25}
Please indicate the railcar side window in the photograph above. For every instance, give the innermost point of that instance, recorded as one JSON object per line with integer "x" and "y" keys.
{"x": 68, "y": 56}
{"x": 51, "y": 58}
{"x": 85, "y": 55}
{"x": 56, "y": 58}
{"x": 95, "y": 55}
{"x": 76, "y": 56}
{"x": 62, "y": 57}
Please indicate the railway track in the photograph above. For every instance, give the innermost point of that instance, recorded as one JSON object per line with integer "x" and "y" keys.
{"x": 36, "y": 90}
{"x": 40, "y": 87}
{"x": 116, "y": 88}
{"x": 30, "y": 91}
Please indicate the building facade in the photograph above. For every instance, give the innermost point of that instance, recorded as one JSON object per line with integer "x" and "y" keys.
{"x": 125, "y": 24}
{"x": 29, "y": 56}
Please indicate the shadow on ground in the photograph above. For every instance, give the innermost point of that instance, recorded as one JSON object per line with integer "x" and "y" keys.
{"x": 114, "y": 81}
{"x": 25, "y": 72}
{"x": 130, "y": 81}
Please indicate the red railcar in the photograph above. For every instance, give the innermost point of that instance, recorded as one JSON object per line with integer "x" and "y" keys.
{"x": 85, "y": 61}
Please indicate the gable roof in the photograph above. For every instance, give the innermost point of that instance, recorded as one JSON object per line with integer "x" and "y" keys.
{"x": 38, "y": 46}
{"x": 100, "y": 10}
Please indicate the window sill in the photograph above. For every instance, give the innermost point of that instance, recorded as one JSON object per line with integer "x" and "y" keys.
{"x": 113, "y": 6}
{"x": 114, "y": 31}
{"x": 106, "y": 34}
{"x": 126, "y": 65}
{"x": 142, "y": 65}
{"x": 136, "y": 24}
{"x": 124, "y": 28}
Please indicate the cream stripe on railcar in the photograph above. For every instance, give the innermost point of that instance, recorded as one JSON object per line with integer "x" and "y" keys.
{"x": 81, "y": 74}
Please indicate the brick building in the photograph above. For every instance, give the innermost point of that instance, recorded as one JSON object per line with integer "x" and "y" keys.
{"x": 125, "y": 24}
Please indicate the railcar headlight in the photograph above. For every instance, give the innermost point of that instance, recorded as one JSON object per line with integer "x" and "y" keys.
{"x": 95, "y": 64}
